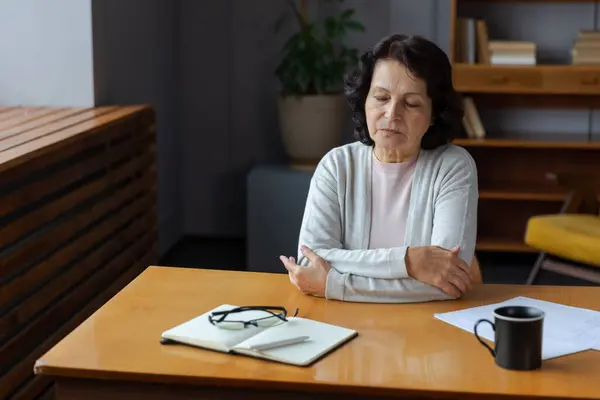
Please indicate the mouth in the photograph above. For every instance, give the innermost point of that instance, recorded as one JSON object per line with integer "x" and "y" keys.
{"x": 390, "y": 131}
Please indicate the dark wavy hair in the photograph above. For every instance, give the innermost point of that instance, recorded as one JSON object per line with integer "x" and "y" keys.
{"x": 425, "y": 60}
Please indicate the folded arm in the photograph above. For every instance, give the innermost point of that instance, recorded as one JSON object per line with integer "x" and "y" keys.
{"x": 379, "y": 275}
{"x": 322, "y": 232}
{"x": 356, "y": 288}
{"x": 454, "y": 224}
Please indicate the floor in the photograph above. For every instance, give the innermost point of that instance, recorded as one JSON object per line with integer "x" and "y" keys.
{"x": 229, "y": 254}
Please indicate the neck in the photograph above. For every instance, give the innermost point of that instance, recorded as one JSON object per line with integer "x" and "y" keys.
{"x": 392, "y": 155}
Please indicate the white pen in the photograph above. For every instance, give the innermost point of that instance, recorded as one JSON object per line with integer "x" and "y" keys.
{"x": 279, "y": 343}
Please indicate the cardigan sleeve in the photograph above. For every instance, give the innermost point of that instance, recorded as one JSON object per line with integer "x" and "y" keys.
{"x": 454, "y": 223}
{"x": 321, "y": 230}
{"x": 356, "y": 288}
{"x": 455, "y": 212}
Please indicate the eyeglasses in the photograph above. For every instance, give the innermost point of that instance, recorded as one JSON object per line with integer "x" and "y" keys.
{"x": 258, "y": 316}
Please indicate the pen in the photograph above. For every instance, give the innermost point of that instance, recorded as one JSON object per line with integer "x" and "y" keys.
{"x": 279, "y": 343}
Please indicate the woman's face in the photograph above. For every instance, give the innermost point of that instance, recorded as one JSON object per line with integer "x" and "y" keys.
{"x": 397, "y": 108}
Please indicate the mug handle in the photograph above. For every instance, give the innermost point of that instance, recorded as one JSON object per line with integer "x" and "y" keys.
{"x": 480, "y": 340}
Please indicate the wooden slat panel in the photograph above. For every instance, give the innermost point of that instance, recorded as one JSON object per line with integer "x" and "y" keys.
{"x": 137, "y": 122}
{"x": 27, "y": 117}
{"x": 52, "y": 321}
{"x": 56, "y": 115}
{"x": 8, "y": 140}
{"x": 63, "y": 178}
{"x": 58, "y": 186}
{"x": 6, "y": 109}
{"x": 14, "y": 113}
{"x": 49, "y": 394}
{"x": 41, "y": 216}
{"x": 21, "y": 153}
{"x": 19, "y": 285}
{"x": 35, "y": 333}
{"x": 24, "y": 311}
{"x": 58, "y": 233}
{"x": 34, "y": 388}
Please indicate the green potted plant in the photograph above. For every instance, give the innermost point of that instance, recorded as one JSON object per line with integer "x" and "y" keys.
{"x": 312, "y": 109}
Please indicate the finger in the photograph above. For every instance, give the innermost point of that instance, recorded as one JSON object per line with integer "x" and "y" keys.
{"x": 458, "y": 282}
{"x": 309, "y": 253}
{"x": 290, "y": 266}
{"x": 450, "y": 289}
{"x": 455, "y": 250}
{"x": 463, "y": 275}
{"x": 460, "y": 263}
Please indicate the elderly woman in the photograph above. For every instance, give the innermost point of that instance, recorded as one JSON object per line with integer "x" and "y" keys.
{"x": 392, "y": 217}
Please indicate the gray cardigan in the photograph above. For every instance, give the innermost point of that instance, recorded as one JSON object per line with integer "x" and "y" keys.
{"x": 337, "y": 220}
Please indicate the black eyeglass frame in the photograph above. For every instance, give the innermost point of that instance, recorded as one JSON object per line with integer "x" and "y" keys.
{"x": 282, "y": 315}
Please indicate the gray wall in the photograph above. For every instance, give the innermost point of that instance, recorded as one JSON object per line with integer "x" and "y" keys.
{"x": 135, "y": 56}
{"x": 228, "y": 117}
{"x": 46, "y": 53}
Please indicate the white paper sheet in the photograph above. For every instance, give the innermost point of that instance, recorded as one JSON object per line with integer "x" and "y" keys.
{"x": 566, "y": 329}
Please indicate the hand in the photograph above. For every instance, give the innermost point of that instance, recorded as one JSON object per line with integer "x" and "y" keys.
{"x": 439, "y": 267}
{"x": 311, "y": 279}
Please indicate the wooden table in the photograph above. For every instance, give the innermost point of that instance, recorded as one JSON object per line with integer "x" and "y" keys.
{"x": 77, "y": 223}
{"x": 401, "y": 350}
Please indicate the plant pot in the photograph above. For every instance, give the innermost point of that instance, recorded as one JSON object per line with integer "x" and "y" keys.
{"x": 311, "y": 125}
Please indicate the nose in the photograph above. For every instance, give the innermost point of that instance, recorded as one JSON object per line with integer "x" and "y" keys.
{"x": 393, "y": 110}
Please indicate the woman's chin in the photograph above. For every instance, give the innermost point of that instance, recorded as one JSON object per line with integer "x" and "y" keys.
{"x": 393, "y": 141}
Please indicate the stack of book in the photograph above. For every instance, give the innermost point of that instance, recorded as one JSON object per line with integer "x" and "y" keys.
{"x": 512, "y": 52}
{"x": 586, "y": 49}
{"x": 474, "y": 47}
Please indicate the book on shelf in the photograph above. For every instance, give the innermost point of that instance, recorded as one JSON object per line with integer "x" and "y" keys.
{"x": 512, "y": 52}
{"x": 471, "y": 120}
{"x": 483, "y": 50}
{"x": 467, "y": 41}
{"x": 473, "y": 46}
{"x": 586, "y": 48}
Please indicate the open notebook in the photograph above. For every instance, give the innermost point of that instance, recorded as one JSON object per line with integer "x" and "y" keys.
{"x": 324, "y": 338}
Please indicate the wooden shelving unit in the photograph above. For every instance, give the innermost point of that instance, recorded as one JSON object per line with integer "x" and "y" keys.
{"x": 538, "y": 79}
{"x": 513, "y": 169}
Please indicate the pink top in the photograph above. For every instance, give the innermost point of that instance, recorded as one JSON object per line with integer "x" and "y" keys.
{"x": 392, "y": 184}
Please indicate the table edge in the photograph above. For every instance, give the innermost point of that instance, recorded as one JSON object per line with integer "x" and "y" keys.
{"x": 71, "y": 374}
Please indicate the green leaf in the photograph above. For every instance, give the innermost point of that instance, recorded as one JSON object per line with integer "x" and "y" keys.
{"x": 330, "y": 26}
{"x": 314, "y": 58}
{"x": 355, "y": 26}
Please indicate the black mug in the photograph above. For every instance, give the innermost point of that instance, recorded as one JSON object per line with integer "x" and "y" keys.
{"x": 517, "y": 337}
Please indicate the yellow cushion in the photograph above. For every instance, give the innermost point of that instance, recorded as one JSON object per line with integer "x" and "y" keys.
{"x": 575, "y": 237}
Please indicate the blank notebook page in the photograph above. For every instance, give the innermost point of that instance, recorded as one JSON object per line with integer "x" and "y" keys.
{"x": 323, "y": 337}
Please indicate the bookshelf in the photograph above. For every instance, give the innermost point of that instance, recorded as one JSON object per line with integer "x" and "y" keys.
{"x": 513, "y": 167}
{"x": 540, "y": 79}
